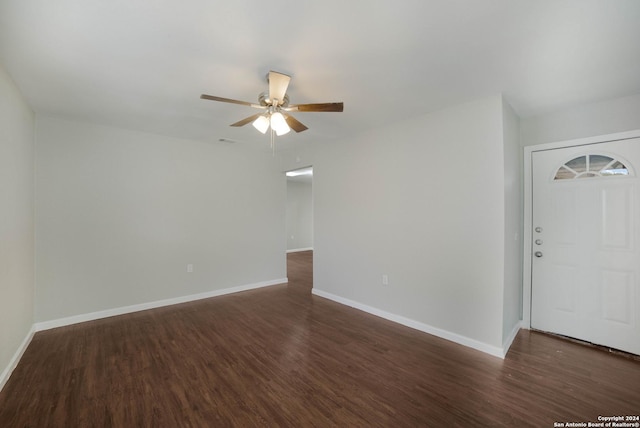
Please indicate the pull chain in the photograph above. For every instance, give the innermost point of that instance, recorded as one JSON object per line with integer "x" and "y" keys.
{"x": 273, "y": 143}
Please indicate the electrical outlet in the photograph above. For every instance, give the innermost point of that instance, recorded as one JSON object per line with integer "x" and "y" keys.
{"x": 385, "y": 279}
{"x": 190, "y": 268}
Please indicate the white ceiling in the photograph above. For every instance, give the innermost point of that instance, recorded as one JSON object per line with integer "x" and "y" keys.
{"x": 142, "y": 64}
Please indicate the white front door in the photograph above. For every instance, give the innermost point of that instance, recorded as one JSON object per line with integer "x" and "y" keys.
{"x": 586, "y": 238}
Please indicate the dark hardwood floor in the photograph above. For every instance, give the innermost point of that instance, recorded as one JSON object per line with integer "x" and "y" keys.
{"x": 279, "y": 356}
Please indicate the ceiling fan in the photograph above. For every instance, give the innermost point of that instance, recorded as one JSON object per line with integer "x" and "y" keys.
{"x": 275, "y": 107}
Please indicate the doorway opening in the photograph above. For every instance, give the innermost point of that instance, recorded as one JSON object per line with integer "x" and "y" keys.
{"x": 299, "y": 227}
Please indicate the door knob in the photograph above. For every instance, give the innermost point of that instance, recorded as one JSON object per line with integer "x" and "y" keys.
{"x": 538, "y": 229}
{"x": 538, "y": 254}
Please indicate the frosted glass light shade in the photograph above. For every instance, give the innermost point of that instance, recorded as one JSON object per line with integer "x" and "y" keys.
{"x": 279, "y": 124}
{"x": 261, "y": 124}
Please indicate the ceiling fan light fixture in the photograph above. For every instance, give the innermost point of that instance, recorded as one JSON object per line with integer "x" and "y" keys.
{"x": 261, "y": 124}
{"x": 279, "y": 124}
{"x": 272, "y": 103}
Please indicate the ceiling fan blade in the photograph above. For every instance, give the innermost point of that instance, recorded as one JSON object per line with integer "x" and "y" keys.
{"x": 294, "y": 123}
{"x": 247, "y": 120}
{"x": 321, "y": 107}
{"x": 278, "y": 84}
{"x": 229, "y": 100}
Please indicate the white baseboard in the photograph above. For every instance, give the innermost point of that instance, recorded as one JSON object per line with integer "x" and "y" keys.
{"x": 61, "y": 322}
{"x": 6, "y": 374}
{"x": 512, "y": 336}
{"x": 453, "y": 337}
{"x": 296, "y": 250}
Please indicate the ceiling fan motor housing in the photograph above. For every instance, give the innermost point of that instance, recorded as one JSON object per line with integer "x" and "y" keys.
{"x": 264, "y": 100}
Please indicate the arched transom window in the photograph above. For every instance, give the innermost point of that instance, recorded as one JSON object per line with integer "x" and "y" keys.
{"x": 588, "y": 166}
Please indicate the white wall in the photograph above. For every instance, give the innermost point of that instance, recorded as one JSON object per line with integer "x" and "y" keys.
{"x": 422, "y": 201}
{"x": 299, "y": 215}
{"x": 120, "y": 214}
{"x": 513, "y": 250}
{"x": 588, "y": 120}
{"x": 16, "y": 222}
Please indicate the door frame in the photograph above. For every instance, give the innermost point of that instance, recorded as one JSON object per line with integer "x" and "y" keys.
{"x": 528, "y": 206}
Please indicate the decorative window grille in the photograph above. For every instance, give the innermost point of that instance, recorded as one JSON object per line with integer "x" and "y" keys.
{"x": 589, "y": 166}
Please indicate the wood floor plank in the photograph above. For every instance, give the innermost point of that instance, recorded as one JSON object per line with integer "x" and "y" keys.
{"x": 280, "y": 356}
